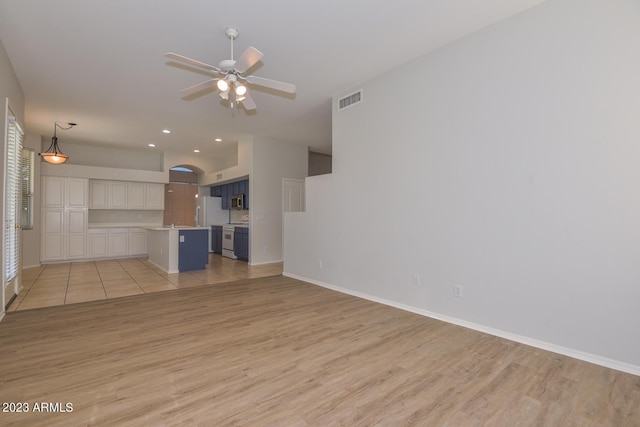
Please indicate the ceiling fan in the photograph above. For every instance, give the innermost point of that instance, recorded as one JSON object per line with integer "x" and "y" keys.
{"x": 233, "y": 80}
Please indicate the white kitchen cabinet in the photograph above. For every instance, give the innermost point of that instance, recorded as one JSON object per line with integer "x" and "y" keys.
{"x": 126, "y": 195}
{"x": 118, "y": 242}
{"x": 77, "y": 192}
{"x": 137, "y": 241}
{"x": 107, "y": 194}
{"x": 136, "y": 192}
{"x": 154, "y": 197}
{"x": 76, "y": 233}
{"x": 117, "y": 195}
{"x": 98, "y": 243}
{"x": 53, "y": 192}
{"x": 98, "y": 194}
{"x": 53, "y": 234}
{"x": 64, "y": 218}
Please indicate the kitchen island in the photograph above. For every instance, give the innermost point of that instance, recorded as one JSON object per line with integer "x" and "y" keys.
{"x": 182, "y": 248}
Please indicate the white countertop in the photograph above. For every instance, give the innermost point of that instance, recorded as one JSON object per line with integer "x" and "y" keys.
{"x": 121, "y": 225}
{"x": 177, "y": 227}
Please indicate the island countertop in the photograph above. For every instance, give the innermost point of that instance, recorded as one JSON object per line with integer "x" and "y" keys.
{"x": 177, "y": 227}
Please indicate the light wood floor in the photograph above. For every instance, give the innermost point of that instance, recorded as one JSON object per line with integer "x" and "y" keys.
{"x": 69, "y": 283}
{"x": 275, "y": 351}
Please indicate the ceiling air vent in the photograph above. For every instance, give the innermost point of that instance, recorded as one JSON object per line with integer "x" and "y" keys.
{"x": 349, "y": 100}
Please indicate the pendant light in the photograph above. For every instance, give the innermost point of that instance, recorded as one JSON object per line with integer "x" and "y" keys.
{"x": 53, "y": 154}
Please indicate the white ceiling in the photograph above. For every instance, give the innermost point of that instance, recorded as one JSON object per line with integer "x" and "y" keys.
{"x": 100, "y": 63}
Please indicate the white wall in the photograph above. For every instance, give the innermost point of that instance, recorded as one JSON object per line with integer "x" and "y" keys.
{"x": 31, "y": 238}
{"x": 9, "y": 88}
{"x": 240, "y": 170}
{"x": 508, "y": 165}
{"x": 109, "y": 157}
{"x": 275, "y": 160}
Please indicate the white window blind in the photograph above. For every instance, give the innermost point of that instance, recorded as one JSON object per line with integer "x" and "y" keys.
{"x": 28, "y": 159}
{"x": 13, "y": 193}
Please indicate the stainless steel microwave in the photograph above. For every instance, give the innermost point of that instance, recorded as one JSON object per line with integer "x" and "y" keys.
{"x": 237, "y": 201}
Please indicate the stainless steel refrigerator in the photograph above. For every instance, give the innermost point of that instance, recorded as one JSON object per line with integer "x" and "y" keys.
{"x": 209, "y": 212}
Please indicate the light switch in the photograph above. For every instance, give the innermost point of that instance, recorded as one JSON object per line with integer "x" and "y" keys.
{"x": 181, "y": 239}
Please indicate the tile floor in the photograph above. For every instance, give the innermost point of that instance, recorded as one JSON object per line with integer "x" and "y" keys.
{"x": 68, "y": 283}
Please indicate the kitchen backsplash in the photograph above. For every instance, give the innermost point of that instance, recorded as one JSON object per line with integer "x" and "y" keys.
{"x": 237, "y": 215}
{"x": 104, "y": 216}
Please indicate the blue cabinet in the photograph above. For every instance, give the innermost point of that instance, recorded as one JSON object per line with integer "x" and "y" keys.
{"x": 226, "y": 191}
{"x": 216, "y": 239}
{"x": 241, "y": 243}
{"x": 193, "y": 253}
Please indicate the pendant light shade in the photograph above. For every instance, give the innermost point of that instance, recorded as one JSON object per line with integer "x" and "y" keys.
{"x": 54, "y": 155}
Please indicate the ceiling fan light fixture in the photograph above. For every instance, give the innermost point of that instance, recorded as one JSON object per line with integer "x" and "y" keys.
{"x": 223, "y": 85}
{"x": 241, "y": 89}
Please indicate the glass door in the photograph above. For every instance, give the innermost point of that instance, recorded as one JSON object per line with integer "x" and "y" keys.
{"x": 12, "y": 207}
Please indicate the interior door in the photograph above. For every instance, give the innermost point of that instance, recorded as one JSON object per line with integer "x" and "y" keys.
{"x": 292, "y": 195}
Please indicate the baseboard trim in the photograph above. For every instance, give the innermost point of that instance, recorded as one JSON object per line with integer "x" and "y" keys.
{"x": 31, "y": 266}
{"x": 543, "y": 345}
{"x": 264, "y": 262}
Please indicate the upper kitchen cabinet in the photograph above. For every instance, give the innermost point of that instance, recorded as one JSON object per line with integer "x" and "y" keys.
{"x": 60, "y": 192}
{"x": 226, "y": 191}
{"x": 125, "y": 195}
{"x": 154, "y": 196}
{"x": 136, "y": 192}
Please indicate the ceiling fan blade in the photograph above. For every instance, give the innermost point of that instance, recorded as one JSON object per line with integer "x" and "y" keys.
{"x": 248, "y": 102}
{"x": 199, "y": 87}
{"x": 272, "y": 84}
{"x": 248, "y": 59}
{"x": 191, "y": 62}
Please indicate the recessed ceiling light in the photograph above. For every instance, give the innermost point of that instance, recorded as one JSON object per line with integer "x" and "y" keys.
{"x": 218, "y": 140}
{"x": 196, "y": 151}
{"x": 166, "y": 131}
{"x": 151, "y": 145}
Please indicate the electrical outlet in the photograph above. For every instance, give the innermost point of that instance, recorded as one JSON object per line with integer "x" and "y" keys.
{"x": 458, "y": 291}
{"x": 320, "y": 265}
{"x": 415, "y": 279}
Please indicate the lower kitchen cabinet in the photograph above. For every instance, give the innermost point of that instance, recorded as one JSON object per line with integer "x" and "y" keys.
{"x": 137, "y": 241}
{"x": 117, "y": 242}
{"x": 98, "y": 243}
{"x": 241, "y": 243}
{"x": 216, "y": 239}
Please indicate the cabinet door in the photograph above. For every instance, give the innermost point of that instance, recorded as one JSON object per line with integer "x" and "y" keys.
{"x": 117, "y": 195}
{"x": 52, "y": 192}
{"x": 77, "y": 221}
{"x": 154, "y": 197}
{"x": 118, "y": 243}
{"x": 76, "y": 246}
{"x": 236, "y": 188}
{"x": 98, "y": 245}
{"x": 136, "y": 194}
{"x": 76, "y": 233}
{"x": 98, "y": 194}
{"x": 53, "y": 221}
{"x": 52, "y": 247}
{"x": 77, "y": 192}
{"x": 226, "y": 196}
{"x": 137, "y": 242}
{"x": 52, "y": 235}
{"x": 216, "y": 240}
{"x": 245, "y": 190}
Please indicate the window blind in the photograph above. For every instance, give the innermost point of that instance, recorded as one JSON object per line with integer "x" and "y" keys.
{"x": 13, "y": 193}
